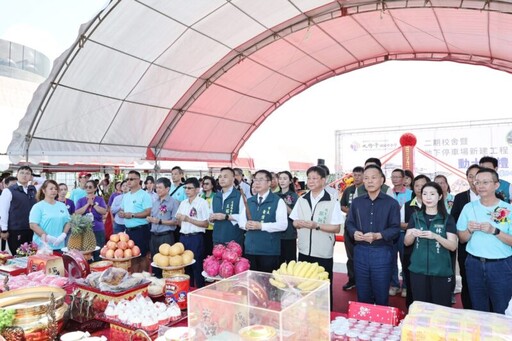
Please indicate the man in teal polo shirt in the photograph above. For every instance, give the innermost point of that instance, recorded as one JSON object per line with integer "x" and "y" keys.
{"x": 136, "y": 206}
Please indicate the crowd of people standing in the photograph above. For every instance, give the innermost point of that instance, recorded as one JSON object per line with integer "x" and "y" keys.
{"x": 430, "y": 228}
{"x": 416, "y": 220}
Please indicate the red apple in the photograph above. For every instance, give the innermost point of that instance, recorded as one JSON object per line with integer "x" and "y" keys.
{"x": 111, "y": 245}
{"x": 135, "y": 251}
{"x": 114, "y": 238}
{"x": 119, "y": 253}
{"x": 109, "y": 254}
{"x": 122, "y": 245}
{"x": 124, "y": 237}
{"x": 127, "y": 253}
{"x": 131, "y": 244}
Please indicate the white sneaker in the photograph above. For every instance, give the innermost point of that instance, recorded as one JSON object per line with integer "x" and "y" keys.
{"x": 393, "y": 291}
{"x": 404, "y": 292}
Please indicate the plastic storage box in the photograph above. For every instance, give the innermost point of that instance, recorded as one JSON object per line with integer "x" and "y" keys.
{"x": 247, "y": 307}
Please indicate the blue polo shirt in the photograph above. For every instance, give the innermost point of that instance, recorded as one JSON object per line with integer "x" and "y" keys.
{"x": 483, "y": 244}
{"x": 135, "y": 203}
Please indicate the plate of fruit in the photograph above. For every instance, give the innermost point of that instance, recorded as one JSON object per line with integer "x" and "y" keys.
{"x": 173, "y": 257}
{"x": 119, "y": 248}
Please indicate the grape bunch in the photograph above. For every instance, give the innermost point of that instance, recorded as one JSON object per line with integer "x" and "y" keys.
{"x": 6, "y": 318}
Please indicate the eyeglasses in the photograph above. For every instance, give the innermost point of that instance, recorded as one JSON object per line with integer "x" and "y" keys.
{"x": 260, "y": 180}
{"x": 485, "y": 182}
{"x": 189, "y": 187}
{"x": 132, "y": 179}
{"x": 89, "y": 187}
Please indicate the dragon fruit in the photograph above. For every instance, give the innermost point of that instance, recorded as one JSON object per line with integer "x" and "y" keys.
{"x": 234, "y": 246}
{"x": 218, "y": 250}
{"x": 226, "y": 269}
{"x": 242, "y": 265}
{"x": 211, "y": 266}
{"x": 230, "y": 256}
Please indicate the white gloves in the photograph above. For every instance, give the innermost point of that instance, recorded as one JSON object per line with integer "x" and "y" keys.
{"x": 50, "y": 239}
{"x": 57, "y": 241}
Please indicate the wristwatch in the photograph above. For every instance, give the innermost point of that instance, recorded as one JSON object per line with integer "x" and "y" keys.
{"x": 133, "y": 215}
{"x": 160, "y": 222}
{"x": 496, "y": 232}
{"x": 317, "y": 227}
{"x": 226, "y": 217}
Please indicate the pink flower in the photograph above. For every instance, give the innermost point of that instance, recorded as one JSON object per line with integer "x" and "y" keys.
{"x": 500, "y": 215}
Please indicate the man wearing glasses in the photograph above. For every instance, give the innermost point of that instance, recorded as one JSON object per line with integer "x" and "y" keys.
{"x": 485, "y": 225}
{"x": 15, "y": 204}
{"x": 79, "y": 192}
{"x": 227, "y": 206}
{"x": 162, "y": 219}
{"x": 135, "y": 207}
{"x": 193, "y": 215}
{"x": 208, "y": 192}
{"x": 268, "y": 217}
{"x": 244, "y": 186}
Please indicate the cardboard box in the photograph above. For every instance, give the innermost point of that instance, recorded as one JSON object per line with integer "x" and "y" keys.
{"x": 375, "y": 313}
{"x": 51, "y": 265}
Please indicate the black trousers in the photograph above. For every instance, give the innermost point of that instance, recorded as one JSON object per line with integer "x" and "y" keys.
{"x": 464, "y": 295}
{"x": 432, "y": 289}
{"x": 18, "y": 237}
{"x": 263, "y": 263}
{"x": 406, "y": 261}
{"x": 349, "y": 249}
{"x": 155, "y": 243}
{"x": 208, "y": 243}
{"x": 288, "y": 250}
{"x": 195, "y": 243}
{"x": 327, "y": 263}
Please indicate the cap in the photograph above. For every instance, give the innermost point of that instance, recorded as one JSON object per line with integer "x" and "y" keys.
{"x": 83, "y": 174}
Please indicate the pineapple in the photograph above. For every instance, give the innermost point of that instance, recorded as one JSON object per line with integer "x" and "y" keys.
{"x": 82, "y": 236}
{"x": 89, "y": 240}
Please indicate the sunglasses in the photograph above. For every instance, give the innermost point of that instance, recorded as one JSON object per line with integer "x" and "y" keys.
{"x": 189, "y": 187}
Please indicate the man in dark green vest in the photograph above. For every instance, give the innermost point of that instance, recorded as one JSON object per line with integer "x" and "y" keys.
{"x": 227, "y": 207}
{"x": 268, "y": 218}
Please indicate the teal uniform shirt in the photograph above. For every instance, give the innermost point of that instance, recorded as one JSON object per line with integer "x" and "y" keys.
{"x": 135, "y": 203}
{"x": 51, "y": 218}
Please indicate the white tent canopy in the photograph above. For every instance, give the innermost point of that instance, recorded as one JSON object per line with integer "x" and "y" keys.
{"x": 193, "y": 79}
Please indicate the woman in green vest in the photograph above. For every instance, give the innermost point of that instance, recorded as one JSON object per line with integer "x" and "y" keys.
{"x": 433, "y": 232}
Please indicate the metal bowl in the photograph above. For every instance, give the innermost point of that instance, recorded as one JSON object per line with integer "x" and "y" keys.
{"x": 31, "y": 302}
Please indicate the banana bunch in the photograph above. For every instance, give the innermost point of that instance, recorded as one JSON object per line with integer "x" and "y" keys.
{"x": 311, "y": 271}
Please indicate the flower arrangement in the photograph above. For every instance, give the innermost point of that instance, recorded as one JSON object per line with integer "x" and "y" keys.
{"x": 288, "y": 199}
{"x": 500, "y": 215}
{"x": 450, "y": 204}
{"x": 163, "y": 209}
{"x": 26, "y": 249}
